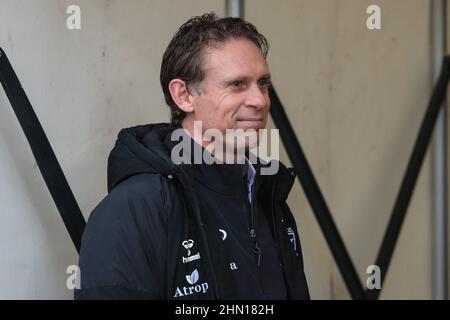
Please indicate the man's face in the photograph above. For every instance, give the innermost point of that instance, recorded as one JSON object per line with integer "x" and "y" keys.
{"x": 234, "y": 92}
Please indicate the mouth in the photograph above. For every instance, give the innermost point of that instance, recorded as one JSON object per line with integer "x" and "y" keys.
{"x": 251, "y": 123}
{"x": 251, "y": 119}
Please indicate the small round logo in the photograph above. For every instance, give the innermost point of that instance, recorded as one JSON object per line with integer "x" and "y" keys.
{"x": 187, "y": 244}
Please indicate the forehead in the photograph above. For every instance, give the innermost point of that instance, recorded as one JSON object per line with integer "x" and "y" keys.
{"x": 234, "y": 58}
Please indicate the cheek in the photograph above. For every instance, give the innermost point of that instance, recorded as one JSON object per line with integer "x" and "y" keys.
{"x": 226, "y": 111}
{"x": 267, "y": 100}
{"x": 212, "y": 114}
{"x": 218, "y": 112}
{"x": 230, "y": 113}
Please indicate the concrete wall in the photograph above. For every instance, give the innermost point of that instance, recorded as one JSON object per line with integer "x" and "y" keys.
{"x": 355, "y": 97}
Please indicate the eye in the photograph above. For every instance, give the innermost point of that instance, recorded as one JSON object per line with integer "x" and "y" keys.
{"x": 264, "y": 83}
{"x": 236, "y": 83}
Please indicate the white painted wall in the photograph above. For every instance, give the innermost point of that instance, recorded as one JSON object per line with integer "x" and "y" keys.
{"x": 355, "y": 97}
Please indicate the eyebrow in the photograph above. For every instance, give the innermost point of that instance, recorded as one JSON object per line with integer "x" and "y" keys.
{"x": 228, "y": 80}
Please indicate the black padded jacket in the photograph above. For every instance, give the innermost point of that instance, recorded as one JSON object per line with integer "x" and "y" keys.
{"x": 167, "y": 231}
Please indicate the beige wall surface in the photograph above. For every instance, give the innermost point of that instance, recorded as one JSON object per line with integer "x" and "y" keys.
{"x": 85, "y": 85}
{"x": 355, "y": 97}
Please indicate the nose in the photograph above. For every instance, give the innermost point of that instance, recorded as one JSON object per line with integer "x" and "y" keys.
{"x": 257, "y": 97}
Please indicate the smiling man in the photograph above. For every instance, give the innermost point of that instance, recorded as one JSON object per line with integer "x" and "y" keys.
{"x": 233, "y": 91}
{"x": 187, "y": 230}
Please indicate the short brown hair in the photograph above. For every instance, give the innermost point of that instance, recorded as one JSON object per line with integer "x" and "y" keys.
{"x": 182, "y": 58}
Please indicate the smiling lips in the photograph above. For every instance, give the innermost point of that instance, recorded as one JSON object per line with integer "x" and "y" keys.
{"x": 251, "y": 119}
{"x": 255, "y": 123}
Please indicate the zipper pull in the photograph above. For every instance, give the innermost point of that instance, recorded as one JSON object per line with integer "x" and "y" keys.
{"x": 255, "y": 248}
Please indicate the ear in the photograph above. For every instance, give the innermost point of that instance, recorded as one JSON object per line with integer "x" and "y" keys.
{"x": 181, "y": 95}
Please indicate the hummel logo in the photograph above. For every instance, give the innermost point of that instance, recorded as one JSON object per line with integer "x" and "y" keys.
{"x": 187, "y": 244}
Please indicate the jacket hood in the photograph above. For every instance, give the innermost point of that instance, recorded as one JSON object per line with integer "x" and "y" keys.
{"x": 140, "y": 149}
{"x": 147, "y": 149}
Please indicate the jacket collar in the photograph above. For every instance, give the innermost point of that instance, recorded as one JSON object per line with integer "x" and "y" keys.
{"x": 223, "y": 178}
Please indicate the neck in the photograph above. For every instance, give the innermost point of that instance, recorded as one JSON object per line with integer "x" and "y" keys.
{"x": 217, "y": 146}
